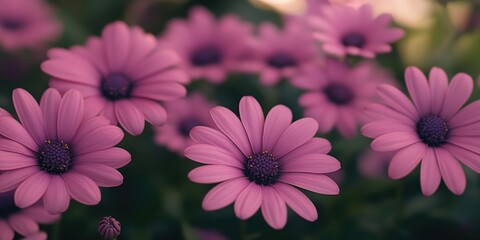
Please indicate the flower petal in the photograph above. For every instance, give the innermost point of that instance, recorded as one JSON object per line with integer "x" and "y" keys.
{"x": 469, "y": 158}
{"x": 274, "y": 210}
{"x": 154, "y": 112}
{"x": 6, "y": 231}
{"x": 296, "y": 200}
{"x": 32, "y": 189}
{"x": 101, "y": 138}
{"x": 313, "y": 146}
{"x": 114, "y": 157}
{"x": 223, "y": 194}
{"x": 49, "y": 104}
{"x": 29, "y": 114}
{"x": 248, "y": 201}
{"x": 406, "y": 160}
{"x": 214, "y": 173}
{"x": 276, "y": 122}
{"x": 313, "y": 182}
{"x": 297, "y": 134}
{"x": 56, "y": 199}
{"x": 451, "y": 171}
{"x": 207, "y": 135}
{"x": 311, "y": 163}
{"x": 458, "y": 93}
{"x": 252, "y": 118}
{"x": 102, "y": 175}
{"x": 11, "y": 161}
{"x": 394, "y": 141}
{"x": 70, "y": 114}
{"x": 438, "y": 88}
{"x": 13, "y": 130}
{"x": 23, "y": 225}
{"x": 131, "y": 119}
{"x": 418, "y": 88}
{"x": 116, "y": 39}
{"x": 82, "y": 188}
{"x": 395, "y": 99}
{"x": 210, "y": 154}
{"x": 10, "y": 180}
{"x": 429, "y": 173}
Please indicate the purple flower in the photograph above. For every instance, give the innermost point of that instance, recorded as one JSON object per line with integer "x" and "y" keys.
{"x": 435, "y": 130}
{"x": 109, "y": 228}
{"x": 122, "y": 76}
{"x": 54, "y": 153}
{"x": 256, "y": 161}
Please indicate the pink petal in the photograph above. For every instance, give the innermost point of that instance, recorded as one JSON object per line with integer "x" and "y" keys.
{"x": 153, "y": 112}
{"x": 311, "y": 163}
{"x": 394, "y": 141}
{"x": 458, "y": 93}
{"x": 451, "y": 171}
{"x": 429, "y": 173}
{"x": 377, "y": 111}
{"x": 206, "y": 135}
{"x": 406, "y": 160}
{"x": 32, "y": 189}
{"x": 38, "y": 213}
{"x": 94, "y": 106}
{"x": 154, "y": 63}
{"x": 6, "y": 232}
{"x": 418, "y": 88}
{"x": 375, "y": 129}
{"x": 29, "y": 114}
{"x": 162, "y": 91}
{"x": 142, "y": 43}
{"x": 276, "y": 122}
{"x": 214, "y": 173}
{"x": 395, "y": 99}
{"x": 296, "y": 200}
{"x": 56, "y": 199}
{"x": 297, "y": 134}
{"x": 102, "y": 175}
{"x": 70, "y": 114}
{"x": 469, "y": 158}
{"x": 252, "y": 118}
{"x": 10, "y": 180}
{"x": 49, "y": 104}
{"x": 210, "y": 154}
{"x": 223, "y": 194}
{"x": 467, "y": 115}
{"x": 131, "y": 119}
{"x": 248, "y": 201}
{"x": 109, "y": 113}
{"x": 113, "y": 157}
{"x": 11, "y": 161}
{"x": 89, "y": 126}
{"x": 78, "y": 70}
{"x": 99, "y": 139}
{"x": 13, "y": 130}
{"x": 313, "y": 182}
{"x": 232, "y": 127}
{"x": 14, "y": 147}
{"x": 23, "y": 225}
{"x": 438, "y": 88}
{"x": 36, "y": 236}
{"x": 313, "y": 146}
{"x": 116, "y": 43}
{"x": 274, "y": 209}
{"x": 82, "y": 188}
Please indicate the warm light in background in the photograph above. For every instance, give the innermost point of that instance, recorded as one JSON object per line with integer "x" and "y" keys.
{"x": 282, "y": 6}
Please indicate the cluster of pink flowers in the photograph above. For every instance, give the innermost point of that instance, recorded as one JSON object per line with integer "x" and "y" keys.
{"x": 63, "y": 147}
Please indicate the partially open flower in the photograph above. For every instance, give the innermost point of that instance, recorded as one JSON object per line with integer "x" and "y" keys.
{"x": 109, "y": 228}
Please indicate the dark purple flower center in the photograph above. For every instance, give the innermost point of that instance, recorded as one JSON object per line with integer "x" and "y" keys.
{"x": 262, "y": 168}
{"x": 186, "y": 125}
{"x": 433, "y": 130}
{"x": 12, "y": 24}
{"x": 281, "y": 60}
{"x": 55, "y": 157}
{"x": 354, "y": 39}
{"x": 206, "y": 55}
{"x": 338, "y": 93}
{"x": 7, "y": 205}
{"x": 116, "y": 86}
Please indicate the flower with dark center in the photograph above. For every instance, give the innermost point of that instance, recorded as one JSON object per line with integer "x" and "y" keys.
{"x": 186, "y": 125}
{"x": 433, "y": 130}
{"x": 116, "y": 86}
{"x": 55, "y": 157}
{"x": 262, "y": 168}
{"x": 109, "y": 228}
{"x": 281, "y": 60}
{"x": 12, "y": 24}
{"x": 7, "y": 205}
{"x": 338, "y": 93}
{"x": 207, "y": 55}
{"x": 354, "y": 40}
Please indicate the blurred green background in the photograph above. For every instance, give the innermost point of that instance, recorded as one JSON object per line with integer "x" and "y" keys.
{"x": 157, "y": 201}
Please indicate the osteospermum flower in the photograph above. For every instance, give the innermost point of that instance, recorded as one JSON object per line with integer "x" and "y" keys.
{"x": 337, "y": 94}
{"x": 257, "y": 160}
{"x": 209, "y": 48}
{"x": 183, "y": 115}
{"x": 277, "y": 53}
{"x": 22, "y": 221}
{"x": 54, "y": 153}
{"x": 435, "y": 130}
{"x": 122, "y": 76}
{"x": 27, "y": 24}
{"x": 345, "y": 30}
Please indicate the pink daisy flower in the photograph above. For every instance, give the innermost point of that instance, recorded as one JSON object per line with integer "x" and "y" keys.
{"x": 22, "y": 221}
{"x": 122, "y": 76}
{"x": 54, "y": 154}
{"x": 277, "y": 53}
{"x": 336, "y": 94}
{"x": 256, "y": 160}
{"x": 346, "y": 30}
{"x": 435, "y": 130}
{"x": 183, "y": 115}
{"x": 209, "y": 48}
{"x": 27, "y": 24}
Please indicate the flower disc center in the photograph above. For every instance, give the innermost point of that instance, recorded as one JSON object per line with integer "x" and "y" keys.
{"x": 116, "y": 86}
{"x": 206, "y": 55}
{"x": 262, "y": 168}
{"x": 12, "y": 24}
{"x": 281, "y": 60}
{"x": 433, "y": 130}
{"x": 55, "y": 157}
{"x": 338, "y": 93}
{"x": 354, "y": 40}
